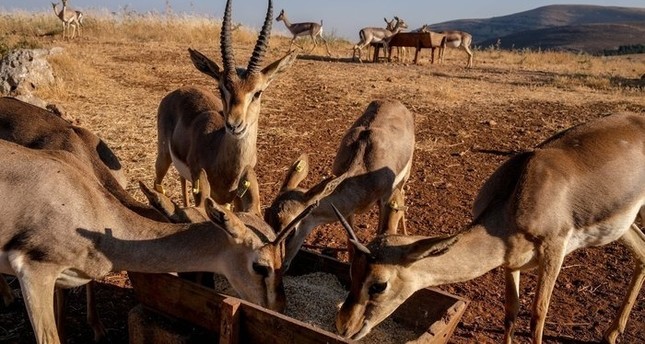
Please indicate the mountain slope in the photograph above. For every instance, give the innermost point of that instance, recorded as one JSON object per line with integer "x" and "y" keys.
{"x": 542, "y": 18}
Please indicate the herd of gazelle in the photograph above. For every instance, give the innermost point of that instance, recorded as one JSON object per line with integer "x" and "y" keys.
{"x": 67, "y": 219}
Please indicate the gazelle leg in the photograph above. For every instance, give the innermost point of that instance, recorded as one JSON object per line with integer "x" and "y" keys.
{"x": 93, "y": 318}
{"x": 634, "y": 239}
{"x": 184, "y": 191}
{"x": 512, "y": 303}
{"x": 550, "y": 262}
{"x": 162, "y": 164}
{"x": 470, "y": 57}
{"x": 38, "y": 290}
{"x": 59, "y": 312}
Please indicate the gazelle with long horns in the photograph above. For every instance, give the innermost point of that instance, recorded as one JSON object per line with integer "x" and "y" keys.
{"x": 197, "y": 130}
{"x": 60, "y": 228}
{"x": 582, "y": 187}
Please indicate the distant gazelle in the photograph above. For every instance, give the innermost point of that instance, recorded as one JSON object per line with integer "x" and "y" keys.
{"x": 310, "y": 29}
{"x": 582, "y": 187}
{"x": 372, "y": 164}
{"x": 70, "y": 18}
{"x": 370, "y": 35}
{"x": 457, "y": 39}
{"x": 198, "y": 130}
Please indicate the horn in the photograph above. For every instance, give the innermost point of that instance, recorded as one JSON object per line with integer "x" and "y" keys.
{"x": 350, "y": 232}
{"x": 226, "y": 44}
{"x": 292, "y": 225}
{"x": 262, "y": 43}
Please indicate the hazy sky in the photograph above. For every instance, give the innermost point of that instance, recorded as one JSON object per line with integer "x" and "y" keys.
{"x": 342, "y": 17}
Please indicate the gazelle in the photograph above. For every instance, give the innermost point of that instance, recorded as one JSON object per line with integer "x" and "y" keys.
{"x": 197, "y": 131}
{"x": 37, "y": 128}
{"x": 69, "y": 17}
{"x": 79, "y": 232}
{"x": 582, "y": 187}
{"x": 310, "y": 29}
{"x": 377, "y": 35}
{"x": 457, "y": 39}
{"x": 372, "y": 164}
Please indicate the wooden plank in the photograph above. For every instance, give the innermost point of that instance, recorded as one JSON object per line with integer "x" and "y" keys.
{"x": 256, "y": 322}
{"x": 230, "y": 326}
{"x": 179, "y": 298}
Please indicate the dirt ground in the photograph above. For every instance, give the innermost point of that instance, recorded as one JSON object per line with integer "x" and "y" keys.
{"x": 467, "y": 122}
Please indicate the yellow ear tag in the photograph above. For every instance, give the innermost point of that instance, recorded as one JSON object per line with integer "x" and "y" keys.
{"x": 196, "y": 187}
{"x": 244, "y": 186}
{"x": 300, "y": 166}
{"x": 160, "y": 189}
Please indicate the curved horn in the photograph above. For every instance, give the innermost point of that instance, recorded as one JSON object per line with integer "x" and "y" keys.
{"x": 226, "y": 44}
{"x": 262, "y": 43}
{"x": 350, "y": 232}
{"x": 292, "y": 225}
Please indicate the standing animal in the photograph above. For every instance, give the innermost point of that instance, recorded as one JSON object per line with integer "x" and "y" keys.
{"x": 457, "y": 39}
{"x": 582, "y": 187}
{"x": 196, "y": 131}
{"x": 310, "y": 29}
{"x": 70, "y": 18}
{"x": 372, "y": 164}
{"x": 37, "y": 128}
{"x": 370, "y": 35}
{"x": 79, "y": 233}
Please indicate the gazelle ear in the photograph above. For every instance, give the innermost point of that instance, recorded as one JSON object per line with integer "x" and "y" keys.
{"x": 159, "y": 201}
{"x": 276, "y": 68}
{"x": 204, "y": 64}
{"x": 324, "y": 188}
{"x": 231, "y": 224}
{"x": 296, "y": 174}
{"x": 430, "y": 247}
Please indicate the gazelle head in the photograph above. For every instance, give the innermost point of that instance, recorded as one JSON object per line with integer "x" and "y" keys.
{"x": 254, "y": 258}
{"x": 293, "y": 200}
{"x": 280, "y": 16}
{"x": 382, "y": 278}
{"x": 241, "y": 88}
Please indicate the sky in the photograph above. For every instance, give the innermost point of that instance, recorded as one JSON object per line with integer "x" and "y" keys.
{"x": 343, "y": 18}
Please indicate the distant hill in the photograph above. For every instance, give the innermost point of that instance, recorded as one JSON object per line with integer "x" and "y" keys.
{"x": 549, "y": 27}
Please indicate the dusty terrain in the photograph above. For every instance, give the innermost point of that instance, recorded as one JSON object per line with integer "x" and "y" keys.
{"x": 467, "y": 120}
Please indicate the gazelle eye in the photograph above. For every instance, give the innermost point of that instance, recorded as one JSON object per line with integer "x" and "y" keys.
{"x": 377, "y": 288}
{"x": 257, "y": 94}
{"x": 262, "y": 270}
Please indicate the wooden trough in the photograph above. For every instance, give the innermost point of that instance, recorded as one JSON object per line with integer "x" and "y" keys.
{"x": 417, "y": 40}
{"x": 431, "y": 313}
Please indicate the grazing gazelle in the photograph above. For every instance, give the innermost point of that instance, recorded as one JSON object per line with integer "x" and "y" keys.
{"x": 456, "y": 39}
{"x": 372, "y": 164}
{"x": 582, "y": 187}
{"x": 37, "y": 128}
{"x": 197, "y": 130}
{"x": 69, "y": 17}
{"x": 370, "y": 35}
{"x": 310, "y": 29}
{"x": 59, "y": 228}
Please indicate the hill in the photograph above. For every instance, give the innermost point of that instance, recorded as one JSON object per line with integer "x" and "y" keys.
{"x": 578, "y": 19}
{"x": 591, "y": 38}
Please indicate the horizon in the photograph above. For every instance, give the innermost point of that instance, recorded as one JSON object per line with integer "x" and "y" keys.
{"x": 251, "y": 13}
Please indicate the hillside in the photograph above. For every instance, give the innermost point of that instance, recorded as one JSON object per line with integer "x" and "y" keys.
{"x": 591, "y": 38}
{"x": 484, "y": 30}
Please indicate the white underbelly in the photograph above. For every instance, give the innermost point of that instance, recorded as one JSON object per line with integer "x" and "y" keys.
{"x": 401, "y": 176}
{"x": 603, "y": 232}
